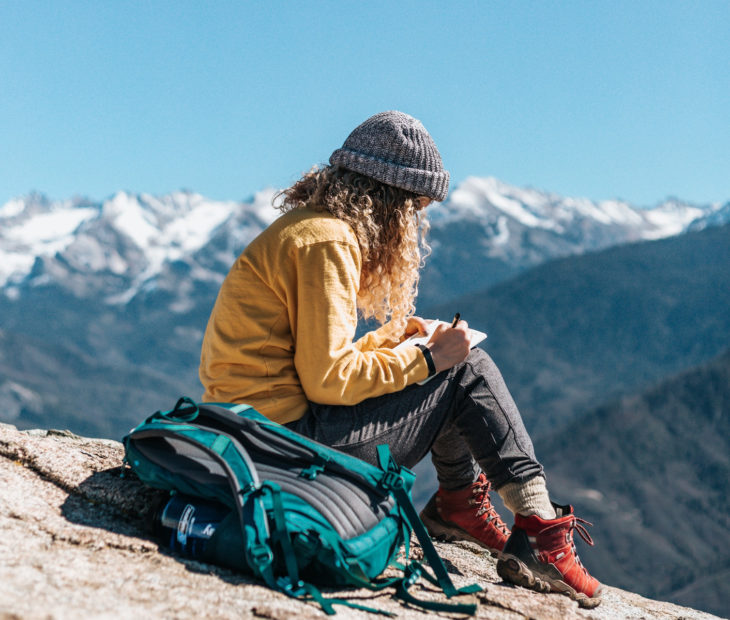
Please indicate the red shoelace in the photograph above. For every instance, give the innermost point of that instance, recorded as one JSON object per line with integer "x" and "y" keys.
{"x": 578, "y": 524}
{"x": 484, "y": 505}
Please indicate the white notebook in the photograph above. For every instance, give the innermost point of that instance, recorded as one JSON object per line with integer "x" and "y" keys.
{"x": 475, "y": 338}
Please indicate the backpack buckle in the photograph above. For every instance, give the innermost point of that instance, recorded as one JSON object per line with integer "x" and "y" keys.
{"x": 412, "y": 573}
{"x": 291, "y": 588}
{"x": 317, "y": 467}
{"x": 259, "y": 556}
{"x": 392, "y": 480}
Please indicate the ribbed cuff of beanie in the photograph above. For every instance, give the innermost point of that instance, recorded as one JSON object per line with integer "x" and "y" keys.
{"x": 528, "y": 498}
{"x": 435, "y": 185}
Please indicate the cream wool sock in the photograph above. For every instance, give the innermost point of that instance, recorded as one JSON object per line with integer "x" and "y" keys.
{"x": 528, "y": 498}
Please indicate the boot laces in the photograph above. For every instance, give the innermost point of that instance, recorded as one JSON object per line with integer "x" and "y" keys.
{"x": 484, "y": 505}
{"x": 578, "y": 524}
{"x": 581, "y": 529}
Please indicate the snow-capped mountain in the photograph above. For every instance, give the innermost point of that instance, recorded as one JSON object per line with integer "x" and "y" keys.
{"x": 488, "y": 231}
{"x": 480, "y": 197}
{"x": 134, "y": 244}
{"x": 123, "y": 244}
{"x": 715, "y": 217}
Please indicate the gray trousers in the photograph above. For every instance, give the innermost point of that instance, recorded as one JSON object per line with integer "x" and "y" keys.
{"x": 465, "y": 416}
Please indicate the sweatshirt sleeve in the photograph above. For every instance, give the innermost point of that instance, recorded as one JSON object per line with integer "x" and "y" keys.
{"x": 331, "y": 367}
{"x": 376, "y": 339}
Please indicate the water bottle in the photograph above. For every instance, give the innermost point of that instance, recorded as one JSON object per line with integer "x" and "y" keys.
{"x": 185, "y": 524}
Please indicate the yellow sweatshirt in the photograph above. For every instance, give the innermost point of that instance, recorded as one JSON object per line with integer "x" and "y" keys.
{"x": 281, "y": 331}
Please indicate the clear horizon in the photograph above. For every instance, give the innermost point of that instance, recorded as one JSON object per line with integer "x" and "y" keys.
{"x": 618, "y": 100}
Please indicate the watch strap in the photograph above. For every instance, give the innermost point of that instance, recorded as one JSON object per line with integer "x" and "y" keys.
{"x": 429, "y": 359}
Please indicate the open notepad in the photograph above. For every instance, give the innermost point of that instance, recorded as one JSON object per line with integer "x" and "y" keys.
{"x": 475, "y": 338}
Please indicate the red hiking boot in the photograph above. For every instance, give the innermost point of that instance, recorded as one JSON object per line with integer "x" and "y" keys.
{"x": 540, "y": 554}
{"x": 466, "y": 514}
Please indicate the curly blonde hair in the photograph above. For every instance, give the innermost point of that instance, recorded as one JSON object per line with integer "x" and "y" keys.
{"x": 391, "y": 231}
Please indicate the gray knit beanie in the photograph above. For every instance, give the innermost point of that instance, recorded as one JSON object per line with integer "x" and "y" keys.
{"x": 395, "y": 149}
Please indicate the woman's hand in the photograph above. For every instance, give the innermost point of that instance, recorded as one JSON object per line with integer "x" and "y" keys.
{"x": 449, "y": 345}
{"x": 415, "y": 325}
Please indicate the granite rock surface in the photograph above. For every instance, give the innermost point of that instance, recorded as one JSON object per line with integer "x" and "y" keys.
{"x": 73, "y": 544}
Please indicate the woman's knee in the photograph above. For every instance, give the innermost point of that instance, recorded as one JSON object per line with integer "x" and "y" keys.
{"x": 481, "y": 367}
{"x": 480, "y": 360}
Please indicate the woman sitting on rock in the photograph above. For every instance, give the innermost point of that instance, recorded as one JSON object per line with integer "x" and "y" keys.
{"x": 281, "y": 338}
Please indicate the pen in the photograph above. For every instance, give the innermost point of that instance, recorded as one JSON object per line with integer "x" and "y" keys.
{"x": 457, "y": 316}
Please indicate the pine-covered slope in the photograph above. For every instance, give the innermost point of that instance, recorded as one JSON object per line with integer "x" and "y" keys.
{"x": 652, "y": 472}
{"x": 571, "y": 333}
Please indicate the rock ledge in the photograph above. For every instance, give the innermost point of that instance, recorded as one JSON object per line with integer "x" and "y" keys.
{"x": 73, "y": 545}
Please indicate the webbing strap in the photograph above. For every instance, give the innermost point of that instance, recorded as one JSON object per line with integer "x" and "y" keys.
{"x": 390, "y": 478}
{"x": 291, "y": 584}
{"x": 403, "y": 594}
{"x": 256, "y": 533}
{"x": 220, "y": 444}
{"x": 317, "y": 467}
{"x": 327, "y": 603}
{"x": 280, "y": 533}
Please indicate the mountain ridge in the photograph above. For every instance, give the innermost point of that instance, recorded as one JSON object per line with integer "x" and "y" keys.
{"x": 127, "y": 243}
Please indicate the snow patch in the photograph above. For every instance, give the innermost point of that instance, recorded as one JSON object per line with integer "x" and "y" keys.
{"x": 590, "y": 494}
{"x": 12, "y": 292}
{"x": 189, "y": 333}
{"x": 129, "y": 218}
{"x": 670, "y": 219}
{"x": 42, "y": 234}
{"x": 620, "y": 213}
{"x": 58, "y": 225}
{"x": 264, "y": 205}
{"x": 516, "y": 210}
{"x": 12, "y": 208}
{"x": 502, "y": 236}
{"x": 586, "y": 208}
{"x": 14, "y": 266}
{"x": 476, "y": 195}
{"x": 138, "y": 235}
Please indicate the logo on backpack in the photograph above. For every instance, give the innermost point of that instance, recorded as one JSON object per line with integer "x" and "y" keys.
{"x": 186, "y": 523}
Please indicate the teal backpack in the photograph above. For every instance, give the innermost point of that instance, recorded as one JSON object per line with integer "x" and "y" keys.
{"x": 294, "y": 512}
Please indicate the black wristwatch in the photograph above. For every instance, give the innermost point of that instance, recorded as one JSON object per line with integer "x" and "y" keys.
{"x": 429, "y": 359}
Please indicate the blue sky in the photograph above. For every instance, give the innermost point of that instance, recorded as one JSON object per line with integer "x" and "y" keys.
{"x": 614, "y": 99}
